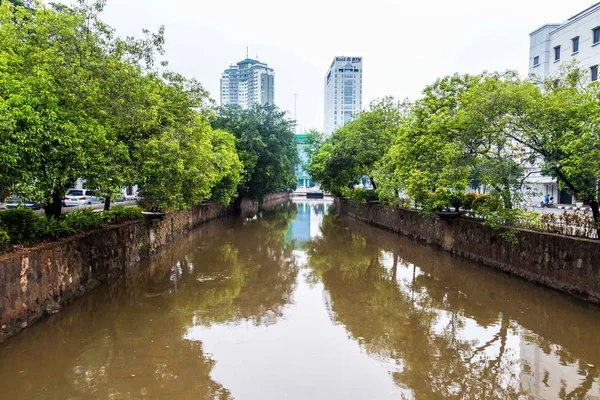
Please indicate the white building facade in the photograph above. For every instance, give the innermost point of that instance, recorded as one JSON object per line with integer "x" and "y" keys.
{"x": 343, "y": 92}
{"x": 575, "y": 41}
{"x": 247, "y": 83}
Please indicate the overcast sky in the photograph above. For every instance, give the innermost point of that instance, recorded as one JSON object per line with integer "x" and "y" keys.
{"x": 405, "y": 44}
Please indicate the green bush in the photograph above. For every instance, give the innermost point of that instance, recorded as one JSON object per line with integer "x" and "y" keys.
{"x": 486, "y": 204}
{"x": 120, "y": 214}
{"x": 20, "y": 224}
{"x": 456, "y": 199}
{"x": 52, "y": 228}
{"x": 389, "y": 197}
{"x": 468, "y": 200}
{"x": 82, "y": 220}
{"x": 346, "y": 192}
{"x": 444, "y": 199}
{"x": 4, "y": 239}
{"x": 404, "y": 202}
{"x": 359, "y": 195}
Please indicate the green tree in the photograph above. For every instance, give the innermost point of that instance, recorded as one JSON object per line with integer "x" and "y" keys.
{"x": 228, "y": 167}
{"x": 428, "y": 153}
{"x": 19, "y": 3}
{"x": 59, "y": 74}
{"x": 79, "y": 102}
{"x": 460, "y": 130}
{"x": 314, "y": 140}
{"x": 490, "y": 108}
{"x": 559, "y": 127}
{"x": 266, "y": 146}
{"x": 354, "y": 149}
{"x": 47, "y": 135}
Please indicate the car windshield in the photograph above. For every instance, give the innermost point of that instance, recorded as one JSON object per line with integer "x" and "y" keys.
{"x": 75, "y": 193}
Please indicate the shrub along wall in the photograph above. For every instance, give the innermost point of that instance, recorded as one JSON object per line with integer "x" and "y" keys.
{"x": 38, "y": 281}
{"x": 569, "y": 264}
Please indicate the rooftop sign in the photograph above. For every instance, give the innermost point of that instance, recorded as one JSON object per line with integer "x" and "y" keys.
{"x": 349, "y": 59}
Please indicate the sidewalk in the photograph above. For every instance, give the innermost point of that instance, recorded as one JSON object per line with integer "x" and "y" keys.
{"x": 571, "y": 207}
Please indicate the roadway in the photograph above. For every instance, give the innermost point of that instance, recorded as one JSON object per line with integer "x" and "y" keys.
{"x": 97, "y": 206}
{"x": 559, "y": 209}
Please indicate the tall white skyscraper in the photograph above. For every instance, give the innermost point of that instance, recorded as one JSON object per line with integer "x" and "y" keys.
{"x": 247, "y": 83}
{"x": 343, "y": 92}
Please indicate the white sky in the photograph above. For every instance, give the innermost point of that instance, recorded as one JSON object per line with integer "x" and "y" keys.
{"x": 405, "y": 44}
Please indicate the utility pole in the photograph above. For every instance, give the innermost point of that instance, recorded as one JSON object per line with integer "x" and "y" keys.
{"x": 295, "y": 99}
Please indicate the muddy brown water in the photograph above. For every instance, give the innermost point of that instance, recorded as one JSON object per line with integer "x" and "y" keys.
{"x": 301, "y": 304}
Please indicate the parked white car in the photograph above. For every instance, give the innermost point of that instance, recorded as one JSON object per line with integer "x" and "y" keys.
{"x": 127, "y": 197}
{"x": 80, "y": 197}
{"x": 15, "y": 201}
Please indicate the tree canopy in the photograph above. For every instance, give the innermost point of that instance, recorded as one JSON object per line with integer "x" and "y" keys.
{"x": 78, "y": 101}
{"x": 266, "y": 147}
{"x": 353, "y": 150}
{"x": 486, "y": 132}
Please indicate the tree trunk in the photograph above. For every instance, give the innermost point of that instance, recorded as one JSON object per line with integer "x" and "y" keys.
{"x": 507, "y": 194}
{"x": 54, "y": 208}
{"x": 596, "y": 214}
{"x": 107, "y": 203}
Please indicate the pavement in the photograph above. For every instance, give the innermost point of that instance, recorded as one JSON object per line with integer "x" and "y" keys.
{"x": 98, "y": 206}
{"x": 557, "y": 209}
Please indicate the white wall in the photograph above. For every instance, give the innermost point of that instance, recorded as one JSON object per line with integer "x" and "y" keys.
{"x": 544, "y": 40}
{"x": 588, "y": 54}
{"x": 540, "y": 46}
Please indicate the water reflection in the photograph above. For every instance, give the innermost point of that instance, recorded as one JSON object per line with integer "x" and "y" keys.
{"x": 455, "y": 330}
{"x": 299, "y": 304}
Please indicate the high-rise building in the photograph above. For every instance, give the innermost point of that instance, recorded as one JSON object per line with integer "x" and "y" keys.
{"x": 304, "y": 180}
{"x": 577, "y": 39}
{"x": 343, "y": 92}
{"x": 247, "y": 83}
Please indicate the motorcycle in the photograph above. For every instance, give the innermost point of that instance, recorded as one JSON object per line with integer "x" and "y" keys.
{"x": 549, "y": 204}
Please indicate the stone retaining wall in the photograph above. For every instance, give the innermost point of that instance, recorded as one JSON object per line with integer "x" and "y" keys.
{"x": 38, "y": 281}
{"x": 568, "y": 264}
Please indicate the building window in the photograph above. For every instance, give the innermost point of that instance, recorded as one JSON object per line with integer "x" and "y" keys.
{"x": 536, "y": 61}
{"x": 594, "y": 71}
{"x": 596, "y": 32}
{"x": 557, "y": 53}
{"x": 575, "y": 41}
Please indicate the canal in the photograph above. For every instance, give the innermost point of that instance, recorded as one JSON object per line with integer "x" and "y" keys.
{"x": 301, "y": 304}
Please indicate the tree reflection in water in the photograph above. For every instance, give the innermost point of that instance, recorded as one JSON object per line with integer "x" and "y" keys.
{"x": 239, "y": 280}
{"x": 438, "y": 326}
{"x": 453, "y": 330}
{"x": 127, "y": 340}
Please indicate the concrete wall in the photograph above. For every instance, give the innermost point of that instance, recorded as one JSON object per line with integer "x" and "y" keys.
{"x": 568, "y": 264}
{"x": 38, "y": 281}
